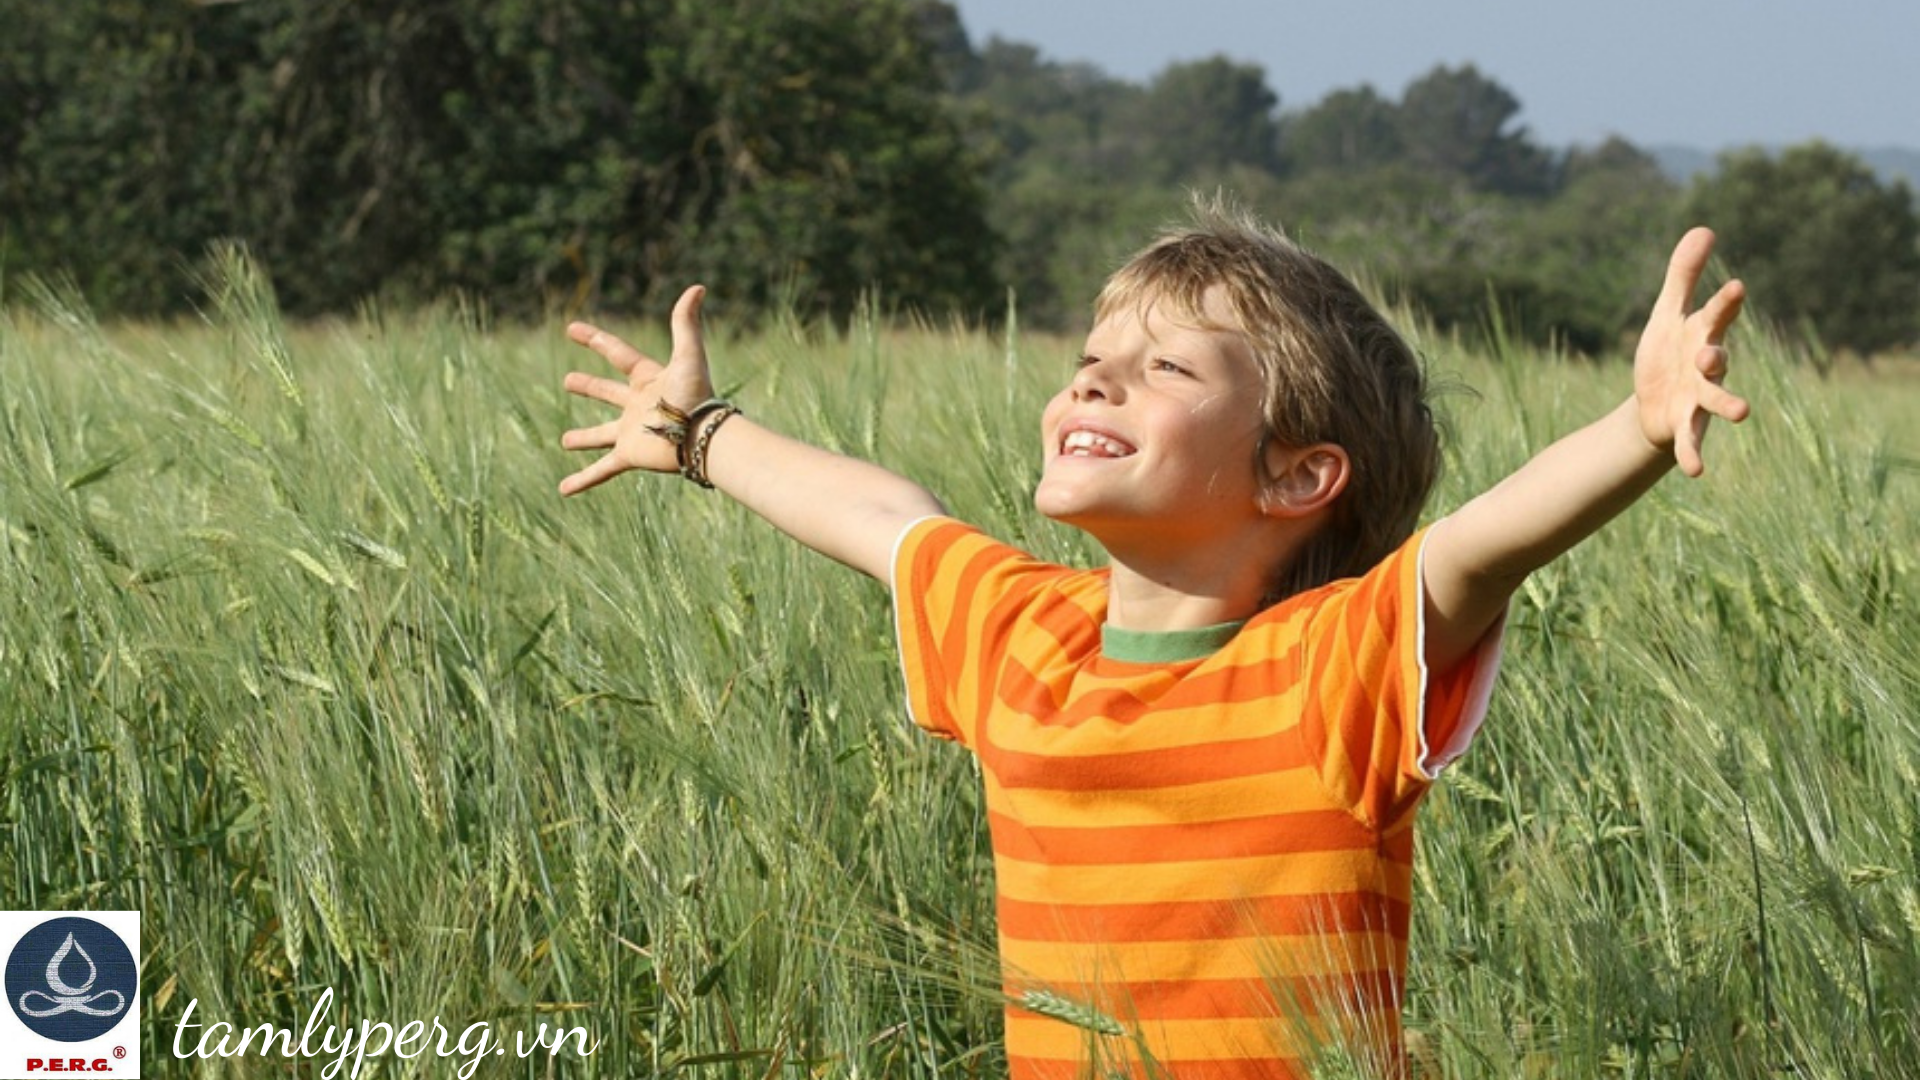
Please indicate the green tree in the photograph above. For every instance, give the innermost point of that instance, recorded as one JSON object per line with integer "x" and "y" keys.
{"x": 1819, "y": 240}
{"x": 99, "y": 140}
{"x": 834, "y": 164}
{"x": 937, "y": 23}
{"x": 1347, "y": 131}
{"x": 1049, "y": 115}
{"x": 1572, "y": 269}
{"x": 1064, "y": 166}
{"x": 1595, "y": 251}
{"x": 1203, "y": 117}
{"x": 528, "y": 152}
{"x": 1458, "y": 121}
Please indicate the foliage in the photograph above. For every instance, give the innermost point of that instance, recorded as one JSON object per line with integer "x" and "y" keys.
{"x": 1439, "y": 195}
{"x": 817, "y": 156}
{"x": 1055, "y": 139}
{"x": 1206, "y": 116}
{"x": 528, "y": 153}
{"x": 301, "y": 656}
{"x": 1820, "y": 240}
{"x": 1458, "y": 122}
{"x": 1596, "y": 252}
{"x": 1347, "y": 131}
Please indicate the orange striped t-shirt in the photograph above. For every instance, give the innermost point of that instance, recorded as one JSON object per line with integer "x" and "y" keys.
{"x": 1214, "y": 852}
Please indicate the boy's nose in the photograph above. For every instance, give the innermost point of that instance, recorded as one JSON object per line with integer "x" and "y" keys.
{"x": 1093, "y": 382}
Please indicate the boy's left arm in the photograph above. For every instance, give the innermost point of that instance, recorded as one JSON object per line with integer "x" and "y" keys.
{"x": 1479, "y": 555}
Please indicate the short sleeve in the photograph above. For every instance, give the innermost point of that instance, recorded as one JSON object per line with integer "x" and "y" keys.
{"x": 957, "y": 597}
{"x": 1378, "y": 722}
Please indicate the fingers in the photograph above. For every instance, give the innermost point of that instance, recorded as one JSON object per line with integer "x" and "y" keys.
{"x": 1712, "y": 362}
{"x": 1727, "y": 406}
{"x": 598, "y": 437}
{"x": 646, "y": 382}
{"x": 1722, "y": 309}
{"x": 621, "y": 355}
{"x": 1712, "y": 400}
{"x": 1686, "y": 448}
{"x": 611, "y": 391}
{"x": 1689, "y": 261}
{"x": 604, "y": 469}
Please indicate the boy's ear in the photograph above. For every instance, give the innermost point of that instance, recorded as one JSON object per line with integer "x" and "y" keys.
{"x": 1303, "y": 481}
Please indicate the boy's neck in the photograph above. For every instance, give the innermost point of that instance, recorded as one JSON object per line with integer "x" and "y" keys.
{"x": 1190, "y": 588}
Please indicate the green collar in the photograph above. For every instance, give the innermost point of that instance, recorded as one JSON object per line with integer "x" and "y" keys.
{"x": 1165, "y": 646}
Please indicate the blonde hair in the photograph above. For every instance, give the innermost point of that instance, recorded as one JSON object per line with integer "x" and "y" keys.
{"x": 1333, "y": 369}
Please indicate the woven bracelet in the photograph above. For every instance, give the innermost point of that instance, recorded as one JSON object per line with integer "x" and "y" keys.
{"x": 693, "y": 463}
{"x": 680, "y": 424}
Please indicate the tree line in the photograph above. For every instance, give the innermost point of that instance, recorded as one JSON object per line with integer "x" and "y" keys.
{"x": 815, "y": 155}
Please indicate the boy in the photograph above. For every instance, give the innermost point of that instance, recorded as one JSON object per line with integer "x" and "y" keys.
{"x": 1202, "y": 762}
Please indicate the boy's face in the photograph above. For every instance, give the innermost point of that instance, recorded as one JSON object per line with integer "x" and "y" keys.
{"x": 1155, "y": 435}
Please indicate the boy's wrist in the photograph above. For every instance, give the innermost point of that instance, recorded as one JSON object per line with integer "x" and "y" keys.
{"x": 1646, "y": 449}
{"x": 703, "y": 422}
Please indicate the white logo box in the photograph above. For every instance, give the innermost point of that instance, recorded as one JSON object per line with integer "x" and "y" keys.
{"x": 79, "y": 991}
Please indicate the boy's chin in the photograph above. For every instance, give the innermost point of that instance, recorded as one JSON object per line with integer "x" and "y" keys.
{"x": 1067, "y": 511}
{"x": 1056, "y": 505}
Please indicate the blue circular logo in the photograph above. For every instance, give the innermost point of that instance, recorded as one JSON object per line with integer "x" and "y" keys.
{"x": 71, "y": 979}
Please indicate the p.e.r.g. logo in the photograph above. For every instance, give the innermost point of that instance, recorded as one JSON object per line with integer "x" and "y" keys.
{"x": 72, "y": 985}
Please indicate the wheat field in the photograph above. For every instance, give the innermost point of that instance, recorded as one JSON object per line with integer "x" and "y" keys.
{"x": 302, "y": 657}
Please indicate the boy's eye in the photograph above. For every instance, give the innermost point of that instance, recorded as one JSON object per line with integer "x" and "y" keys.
{"x": 1085, "y": 361}
{"x": 1163, "y": 364}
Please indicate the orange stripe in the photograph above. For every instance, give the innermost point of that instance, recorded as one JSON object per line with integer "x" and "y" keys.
{"x": 1306, "y": 873}
{"x": 1151, "y": 769}
{"x": 1184, "y": 1041}
{"x": 1283, "y": 792}
{"x": 1035, "y": 700}
{"x": 928, "y": 688}
{"x": 1036, "y": 1068}
{"x": 959, "y": 634}
{"x": 1328, "y": 957}
{"x": 1137, "y": 1005}
{"x": 1075, "y": 630}
{"x": 943, "y": 586}
{"x": 1347, "y": 691}
{"x": 1203, "y": 920}
{"x": 1276, "y": 834}
{"x": 1173, "y": 724}
{"x": 1000, "y": 635}
{"x": 1305, "y": 997}
{"x": 1188, "y": 1050}
{"x": 1255, "y": 680}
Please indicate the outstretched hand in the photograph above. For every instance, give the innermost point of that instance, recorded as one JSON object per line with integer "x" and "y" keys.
{"x": 632, "y": 441}
{"x": 1678, "y": 369}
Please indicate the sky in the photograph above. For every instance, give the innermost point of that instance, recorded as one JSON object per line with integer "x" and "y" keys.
{"x": 1707, "y": 74}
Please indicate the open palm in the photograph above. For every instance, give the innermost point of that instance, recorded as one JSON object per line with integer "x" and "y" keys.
{"x": 630, "y": 441}
{"x": 1678, "y": 369}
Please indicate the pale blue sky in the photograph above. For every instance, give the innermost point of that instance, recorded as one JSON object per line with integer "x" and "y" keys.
{"x": 1702, "y": 73}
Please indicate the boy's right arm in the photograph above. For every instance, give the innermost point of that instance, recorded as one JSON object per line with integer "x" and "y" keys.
{"x": 842, "y": 507}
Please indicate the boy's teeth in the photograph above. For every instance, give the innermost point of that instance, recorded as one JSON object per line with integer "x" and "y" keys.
{"x": 1092, "y": 444}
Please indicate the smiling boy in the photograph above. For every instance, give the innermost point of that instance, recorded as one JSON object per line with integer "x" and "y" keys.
{"x": 1202, "y": 761}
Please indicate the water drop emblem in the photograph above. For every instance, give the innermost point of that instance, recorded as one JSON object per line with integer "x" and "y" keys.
{"x": 66, "y": 998}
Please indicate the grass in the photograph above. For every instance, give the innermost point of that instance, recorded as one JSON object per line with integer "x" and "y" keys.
{"x": 301, "y": 656}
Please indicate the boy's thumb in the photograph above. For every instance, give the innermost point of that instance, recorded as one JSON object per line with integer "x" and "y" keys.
{"x": 686, "y": 324}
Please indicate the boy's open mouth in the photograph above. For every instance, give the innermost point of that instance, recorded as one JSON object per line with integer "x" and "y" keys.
{"x": 1082, "y": 442}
